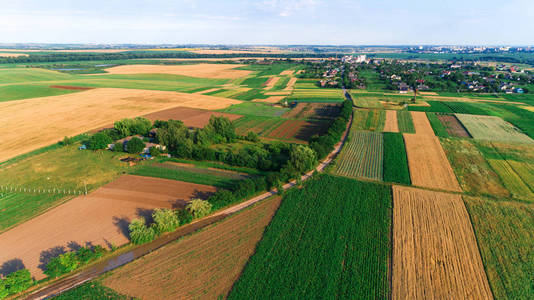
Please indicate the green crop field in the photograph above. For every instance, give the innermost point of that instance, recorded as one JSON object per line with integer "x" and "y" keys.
{"x": 512, "y": 181}
{"x": 91, "y": 290}
{"x": 437, "y": 126}
{"x": 193, "y": 175}
{"x": 474, "y": 173}
{"x": 395, "y": 159}
{"x": 250, "y": 95}
{"x": 281, "y": 83}
{"x": 493, "y": 129}
{"x": 364, "y": 119}
{"x": 504, "y": 232}
{"x": 329, "y": 240}
{"x": 255, "y": 82}
{"x": 404, "y": 119}
{"x": 435, "y": 106}
{"x": 26, "y": 91}
{"x": 259, "y": 125}
{"x": 256, "y": 109}
{"x": 362, "y": 156}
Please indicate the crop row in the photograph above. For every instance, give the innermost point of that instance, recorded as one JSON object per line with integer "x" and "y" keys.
{"x": 405, "y": 122}
{"x": 395, "y": 159}
{"x": 362, "y": 156}
{"x": 329, "y": 240}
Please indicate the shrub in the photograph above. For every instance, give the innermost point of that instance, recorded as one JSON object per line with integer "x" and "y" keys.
{"x": 165, "y": 220}
{"x": 98, "y": 141}
{"x": 67, "y": 141}
{"x": 301, "y": 159}
{"x": 252, "y": 137}
{"x": 199, "y": 208}
{"x": 140, "y": 233}
{"x": 127, "y": 127}
{"x": 15, "y": 282}
{"x": 118, "y": 147}
{"x": 154, "y": 151}
{"x": 62, "y": 264}
{"x": 135, "y": 145}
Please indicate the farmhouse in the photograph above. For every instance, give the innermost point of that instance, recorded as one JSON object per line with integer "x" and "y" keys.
{"x": 124, "y": 142}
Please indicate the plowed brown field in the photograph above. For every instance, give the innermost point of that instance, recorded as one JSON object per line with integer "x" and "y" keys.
{"x": 421, "y": 123}
{"x": 392, "y": 124}
{"x": 435, "y": 253}
{"x": 100, "y": 218}
{"x": 298, "y": 130}
{"x": 428, "y": 163}
{"x": 34, "y": 123}
{"x": 190, "y": 116}
{"x": 201, "y": 266}
{"x": 196, "y": 70}
{"x": 307, "y": 110}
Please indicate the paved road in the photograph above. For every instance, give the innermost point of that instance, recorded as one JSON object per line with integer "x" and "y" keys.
{"x": 111, "y": 263}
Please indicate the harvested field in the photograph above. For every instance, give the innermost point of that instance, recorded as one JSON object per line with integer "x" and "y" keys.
{"x": 391, "y": 124}
{"x": 272, "y": 99}
{"x": 493, "y": 129}
{"x": 421, "y": 123}
{"x": 207, "y": 91}
{"x": 428, "y": 93}
{"x": 287, "y": 72}
{"x": 291, "y": 84}
{"x": 299, "y": 130}
{"x": 307, "y": 110}
{"x": 428, "y": 163}
{"x": 200, "y": 266}
{"x": 100, "y": 218}
{"x": 435, "y": 253}
{"x": 196, "y": 70}
{"x": 12, "y": 54}
{"x": 270, "y": 83}
{"x": 453, "y": 126}
{"x": 71, "y": 87}
{"x": 73, "y": 114}
{"x": 190, "y": 116}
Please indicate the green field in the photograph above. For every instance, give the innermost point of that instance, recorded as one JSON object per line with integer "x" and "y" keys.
{"x": 259, "y": 125}
{"x": 329, "y": 240}
{"x": 404, "y": 119}
{"x": 362, "y": 156}
{"x": 504, "y": 232}
{"x": 395, "y": 159}
{"x": 493, "y": 129}
{"x": 437, "y": 126}
{"x": 216, "y": 178}
{"x": 92, "y": 290}
{"x": 256, "y": 109}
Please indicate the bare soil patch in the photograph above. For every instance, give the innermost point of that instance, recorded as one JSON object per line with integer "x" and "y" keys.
{"x": 313, "y": 111}
{"x": 201, "y": 266}
{"x": 453, "y": 126}
{"x": 428, "y": 163}
{"x": 71, "y": 87}
{"x": 435, "y": 252}
{"x": 100, "y": 218}
{"x": 34, "y": 123}
{"x": 196, "y": 70}
{"x": 190, "y": 116}
{"x": 421, "y": 123}
{"x": 391, "y": 124}
{"x": 298, "y": 130}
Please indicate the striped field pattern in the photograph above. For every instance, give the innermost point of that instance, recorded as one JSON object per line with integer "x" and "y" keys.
{"x": 362, "y": 156}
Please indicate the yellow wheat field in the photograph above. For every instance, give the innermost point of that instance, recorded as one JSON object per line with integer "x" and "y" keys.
{"x": 196, "y": 70}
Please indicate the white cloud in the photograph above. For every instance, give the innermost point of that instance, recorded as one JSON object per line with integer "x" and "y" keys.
{"x": 287, "y": 8}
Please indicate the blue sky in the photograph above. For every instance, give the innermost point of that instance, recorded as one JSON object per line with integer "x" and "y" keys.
{"x": 378, "y": 22}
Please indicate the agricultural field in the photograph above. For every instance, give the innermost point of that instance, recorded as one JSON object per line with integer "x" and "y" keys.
{"x": 453, "y": 126}
{"x": 298, "y": 130}
{"x": 405, "y": 122}
{"x": 312, "y": 225}
{"x": 504, "y": 234}
{"x": 474, "y": 174}
{"x": 317, "y": 95}
{"x": 256, "y": 109}
{"x": 86, "y": 110}
{"x": 202, "y": 265}
{"x": 99, "y": 218}
{"x": 438, "y": 127}
{"x": 493, "y": 129}
{"x": 307, "y": 110}
{"x": 195, "y": 70}
{"x": 367, "y": 119}
{"x": 428, "y": 163}
{"x": 391, "y": 124}
{"x": 395, "y": 159}
{"x": 428, "y": 261}
{"x": 190, "y": 116}
{"x": 259, "y": 125}
{"x": 362, "y": 156}
{"x": 421, "y": 124}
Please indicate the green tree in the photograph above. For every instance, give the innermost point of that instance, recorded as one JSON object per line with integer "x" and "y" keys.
{"x": 140, "y": 233}
{"x": 199, "y": 208}
{"x": 118, "y": 147}
{"x": 165, "y": 220}
{"x": 62, "y": 264}
{"x": 15, "y": 282}
{"x": 301, "y": 159}
{"x": 135, "y": 145}
{"x": 154, "y": 151}
{"x": 98, "y": 141}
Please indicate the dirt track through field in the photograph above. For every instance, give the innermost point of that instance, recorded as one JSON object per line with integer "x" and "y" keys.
{"x": 34, "y": 123}
{"x": 204, "y": 265}
{"x": 196, "y": 70}
{"x": 100, "y": 218}
{"x": 392, "y": 124}
{"x": 429, "y": 166}
{"x": 421, "y": 123}
{"x": 435, "y": 252}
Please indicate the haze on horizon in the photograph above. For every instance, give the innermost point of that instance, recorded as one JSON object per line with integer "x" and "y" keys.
{"x": 319, "y": 22}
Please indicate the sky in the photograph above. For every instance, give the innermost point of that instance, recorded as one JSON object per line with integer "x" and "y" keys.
{"x": 317, "y": 22}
